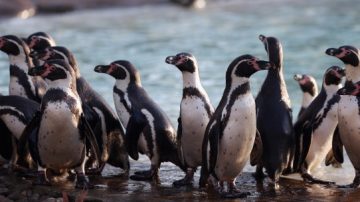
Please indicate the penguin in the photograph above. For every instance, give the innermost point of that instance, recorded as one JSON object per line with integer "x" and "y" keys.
{"x": 58, "y": 132}
{"x": 105, "y": 123}
{"x": 315, "y": 127}
{"x": 348, "y": 109}
{"x": 15, "y": 113}
{"x": 195, "y": 113}
{"x": 231, "y": 131}
{"x": 309, "y": 88}
{"x": 20, "y": 82}
{"x": 274, "y": 117}
{"x": 39, "y": 41}
{"x": 148, "y": 129}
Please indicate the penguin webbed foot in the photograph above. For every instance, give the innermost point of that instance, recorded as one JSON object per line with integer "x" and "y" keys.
{"x": 186, "y": 181}
{"x": 233, "y": 193}
{"x": 41, "y": 179}
{"x": 148, "y": 175}
{"x": 83, "y": 183}
{"x": 308, "y": 178}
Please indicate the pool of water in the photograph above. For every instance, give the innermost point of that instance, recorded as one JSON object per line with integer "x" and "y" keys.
{"x": 215, "y": 35}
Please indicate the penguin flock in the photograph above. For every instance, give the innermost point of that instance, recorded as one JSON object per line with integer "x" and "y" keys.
{"x": 53, "y": 123}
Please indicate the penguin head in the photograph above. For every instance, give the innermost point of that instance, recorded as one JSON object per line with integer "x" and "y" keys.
{"x": 244, "y": 66}
{"x": 40, "y": 40}
{"x": 53, "y": 70}
{"x": 185, "y": 62}
{"x": 56, "y": 52}
{"x": 333, "y": 75}
{"x": 307, "y": 83}
{"x": 13, "y": 45}
{"x": 274, "y": 50}
{"x": 348, "y": 54}
{"x": 121, "y": 70}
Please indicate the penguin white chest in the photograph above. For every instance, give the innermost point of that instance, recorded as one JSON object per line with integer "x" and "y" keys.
{"x": 14, "y": 124}
{"x": 121, "y": 110}
{"x": 15, "y": 88}
{"x": 322, "y": 138}
{"x": 59, "y": 141}
{"x": 237, "y": 139}
{"x": 194, "y": 119}
{"x": 349, "y": 127}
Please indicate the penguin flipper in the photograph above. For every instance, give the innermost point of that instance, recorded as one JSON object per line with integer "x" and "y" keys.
{"x": 337, "y": 146}
{"x": 135, "y": 126}
{"x": 214, "y": 140}
{"x": 179, "y": 143}
{"x": 257, "y": 150}
{"x": 87, "y": 132}
{"x": 28, "y": 138}
{"x": 306, "y": 142}
{"x": 5, "y": 141}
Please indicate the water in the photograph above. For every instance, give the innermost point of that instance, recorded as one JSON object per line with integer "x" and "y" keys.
{"x": 215, "y": 35}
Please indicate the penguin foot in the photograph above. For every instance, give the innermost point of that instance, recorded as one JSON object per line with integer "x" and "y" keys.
{"x": 348, "y": 186}
{"x": 41, "y": 179}
{"x": 83, "y": 183}
{"x": 183, "y": 182}
{"x": 308, "y": 178}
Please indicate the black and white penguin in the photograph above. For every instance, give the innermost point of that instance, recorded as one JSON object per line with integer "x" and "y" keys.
{"x": 349, "y": 119}
{"x": 231, "y": 131}
{"x": 148, "y": 129}
{"x": 15, "y": 113}
{"x": 274, "y": 117}
{"x": 309, "y": 88}
{"x": 21, "y": 83}
{"x": 315, "y": 127}
{"x": 39, "y": 41}
{"x": 58, "y": 133}
{"x": 195, "y": 113}
{"x": 103, "y": 120}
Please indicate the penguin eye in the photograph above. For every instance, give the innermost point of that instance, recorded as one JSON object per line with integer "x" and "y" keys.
{"x": 52, "y": 68}
{"x": 347, "y": 52}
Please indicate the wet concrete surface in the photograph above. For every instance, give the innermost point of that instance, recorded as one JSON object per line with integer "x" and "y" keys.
{"x": 113, "y": 186}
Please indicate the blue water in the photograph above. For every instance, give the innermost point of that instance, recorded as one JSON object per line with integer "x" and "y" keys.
{"x": 215, "y": 35}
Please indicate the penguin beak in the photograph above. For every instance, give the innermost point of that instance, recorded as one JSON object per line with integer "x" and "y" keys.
{"x": 264, "y": 65}
{"x": 332, "y": 51}
{"x": 2, "y": 42}
{"x": 297, "y": 77}
{"x": 171, "y": 60}
{"x": 262, "y": 37}
{"x": 36, "y": 71}
{"x": 101, "y": 68}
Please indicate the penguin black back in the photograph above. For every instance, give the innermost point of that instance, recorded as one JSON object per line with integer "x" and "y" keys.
{"x": 274, "y": 115}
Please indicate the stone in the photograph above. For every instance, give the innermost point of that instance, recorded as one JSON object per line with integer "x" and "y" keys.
{"x": 21, "y": 8}
{"x": 4, "y": 199}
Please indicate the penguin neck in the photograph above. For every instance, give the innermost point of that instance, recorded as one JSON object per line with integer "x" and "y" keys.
{"x": 191, "y": 80}
{"x": 243, "y": 83}
{"x": 123, "y": 84}
{"x": 352, "y": 73}
{"x": 19, "y": 61}
{"x": 307, "y": 99}
{"x": 275, "y": 85}
{"x": 331, "y": 89}
{"x": 67, "y": 85}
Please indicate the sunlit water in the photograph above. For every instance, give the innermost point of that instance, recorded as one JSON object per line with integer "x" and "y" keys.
{"x": 215, "y": 35}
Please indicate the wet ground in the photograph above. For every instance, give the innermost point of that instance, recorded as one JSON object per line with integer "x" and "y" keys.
{"x": 114, "y": 187}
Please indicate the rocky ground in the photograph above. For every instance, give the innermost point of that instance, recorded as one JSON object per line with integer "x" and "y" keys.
{"x": 119, "y": 188}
